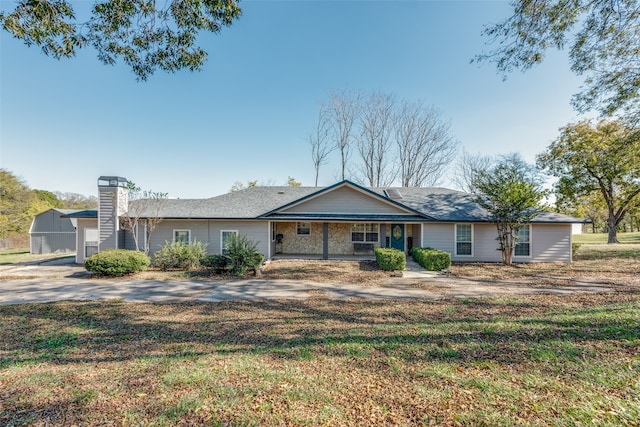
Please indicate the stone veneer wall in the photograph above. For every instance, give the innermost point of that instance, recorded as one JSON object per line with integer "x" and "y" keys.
{"x": 294, "y": 244}
{"x": 339, "y": 239}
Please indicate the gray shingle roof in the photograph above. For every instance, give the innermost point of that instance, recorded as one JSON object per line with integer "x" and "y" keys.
{"x": 87, "y": 213}
{"x": 249, "y": 203}
{"x": 440, "y": 204}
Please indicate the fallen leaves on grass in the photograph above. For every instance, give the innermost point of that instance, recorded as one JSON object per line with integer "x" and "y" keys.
{"x": 539, "y": 360}
{"x": 364, "y": 273}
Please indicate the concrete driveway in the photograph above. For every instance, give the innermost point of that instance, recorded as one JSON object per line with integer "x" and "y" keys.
{"x": 62, "y": 280}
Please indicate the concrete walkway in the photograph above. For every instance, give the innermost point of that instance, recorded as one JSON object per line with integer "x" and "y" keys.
{"x": 60, "y": 280}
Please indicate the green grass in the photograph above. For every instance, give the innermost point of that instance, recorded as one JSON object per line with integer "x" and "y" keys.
{"x": 13, "y": 256}
{"x": 615, "y": 253}
{"x": 601, "y": 238}
{"x": 539, "y": 361}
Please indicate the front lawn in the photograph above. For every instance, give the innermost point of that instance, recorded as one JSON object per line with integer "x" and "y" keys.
{"x": 601, "y": 238}
{"x": 13, "y": 256}
{"x": 543, "y": 360}
{"x": 617, "y": 264}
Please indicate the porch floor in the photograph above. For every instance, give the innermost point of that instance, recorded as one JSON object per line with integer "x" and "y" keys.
{"x": 331, "y": 257}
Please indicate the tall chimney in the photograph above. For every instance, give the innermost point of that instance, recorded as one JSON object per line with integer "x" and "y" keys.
{"x": 112, "y": 203}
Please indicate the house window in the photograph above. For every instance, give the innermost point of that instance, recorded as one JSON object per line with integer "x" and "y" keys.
{"x": 365, "y": 233}
{"x": 303, "y": 228}
{"x": 523, "y": 244}
{"x": 182, "y": 236}
{"x": 91, "y": 238}
{"x": 225, "y": 236}
{"x": 464, "y": 239}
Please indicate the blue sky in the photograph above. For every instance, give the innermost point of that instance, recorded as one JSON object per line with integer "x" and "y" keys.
{"x": 246, "y": 115}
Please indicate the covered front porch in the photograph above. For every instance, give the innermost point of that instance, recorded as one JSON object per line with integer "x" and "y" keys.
{"x": 353, "y": 240}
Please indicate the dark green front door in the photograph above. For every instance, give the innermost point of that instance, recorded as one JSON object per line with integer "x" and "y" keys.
{"x": 397, "y": 236}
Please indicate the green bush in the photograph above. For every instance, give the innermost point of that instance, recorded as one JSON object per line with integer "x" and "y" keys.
{"x": 180, "y": 255}
{"x": 390, "y": 259}
{"x": 574, "y": 248}
{"x": 216, "y": 263}
{"x": 243, "y": 254}
{"x": 431, "y": 259}
{"x": 117, "y": 262}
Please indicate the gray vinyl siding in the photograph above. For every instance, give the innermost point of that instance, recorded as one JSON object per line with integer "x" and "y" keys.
{"x": 129, "y": 242}
{"x": 345, "y": 201}
{"x": 549, "y": 242}
{"x": 82, "y": 224}
{"x": 442, "y": 237}
{"x": 485, "y": 245}
{"x": 208, "y": 231}
{"x": 50, "y": 221}
{"x": 108, "y": 226}
{"x": 438, "y": 236}
{"x": 50, "y": 233}
{"x": 49, "y": 243}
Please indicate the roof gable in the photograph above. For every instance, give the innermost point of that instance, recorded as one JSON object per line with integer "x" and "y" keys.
{"x": 345, "y": 198}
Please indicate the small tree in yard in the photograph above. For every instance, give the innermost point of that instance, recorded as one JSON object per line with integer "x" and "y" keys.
{"x": 511, "y": 191}
{"x": 145, "y": 205}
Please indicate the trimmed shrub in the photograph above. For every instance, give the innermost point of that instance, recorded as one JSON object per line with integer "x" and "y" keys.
{"x": 431, "y": 259}
{"x": 390, "y": 259}
{"x": 216, "y": 263}
{"x": 178, "y": 255}
{"x": 243, "y": 254}
{"x": 117, "y": 262}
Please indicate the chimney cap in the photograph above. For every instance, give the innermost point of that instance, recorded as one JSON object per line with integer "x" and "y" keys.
{"x": 112, "y": 181}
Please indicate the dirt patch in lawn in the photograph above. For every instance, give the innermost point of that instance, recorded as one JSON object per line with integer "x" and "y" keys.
{"x": 364, "y": 273}
{"x": 609, "y": 271}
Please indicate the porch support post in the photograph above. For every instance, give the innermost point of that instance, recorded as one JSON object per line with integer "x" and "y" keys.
{"x": 325, "y": 240}
{"x": 383, "y": 235}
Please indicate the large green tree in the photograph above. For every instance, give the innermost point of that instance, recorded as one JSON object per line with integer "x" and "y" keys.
{"x": 602, "y": 38}
{"x": 511, "y": 191}
{"x": 18, "y": 205}
{"x": 601, "y": 158}
{"x": 146, "y": 34}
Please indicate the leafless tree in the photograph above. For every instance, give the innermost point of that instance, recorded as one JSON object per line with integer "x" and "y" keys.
{"x": 344, "y": 114}
{"x": 144, "y": 205}
{"x": 374, "y": 139}
{"x": 467, "y": 166}
{"x": 320, "y": 141}
{"x": 425, "y": 144}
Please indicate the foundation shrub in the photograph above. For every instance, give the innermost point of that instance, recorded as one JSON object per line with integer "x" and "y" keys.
{"x": 181, "y": 256}
{"x": 243, "y": 254}
{"x": 117, "y": 262}
{"x": 431, "y": 259}
{"x": 218, "y": 264}
{"x": 390, "y": 259}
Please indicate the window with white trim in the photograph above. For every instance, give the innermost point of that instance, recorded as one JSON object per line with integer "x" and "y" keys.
{"x": 225, "y": 235}
{"x": 523, "y": 244}
{"x": 303, "y": 228}
{"x": 464, "y": 239}
{"x": 368, "y": 233}
{"x": 182, "y": 236}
